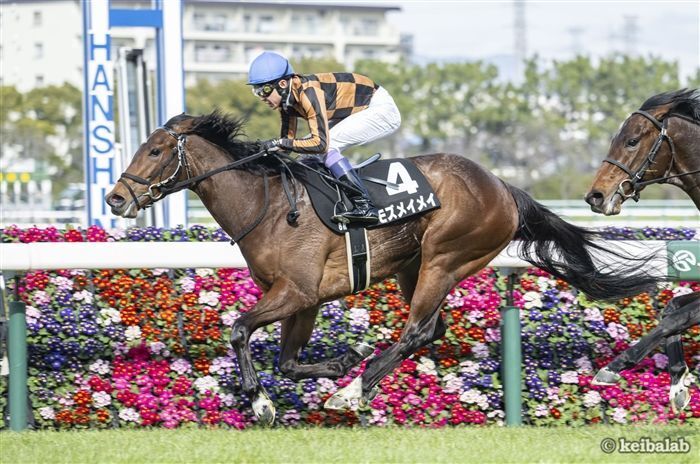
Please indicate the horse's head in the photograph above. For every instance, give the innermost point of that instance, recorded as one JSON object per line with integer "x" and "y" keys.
{"x": 158, "y": 163}
{"x": 641, "y": 150}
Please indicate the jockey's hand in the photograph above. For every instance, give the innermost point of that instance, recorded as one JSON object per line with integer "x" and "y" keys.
{"x": 270, "y": 146}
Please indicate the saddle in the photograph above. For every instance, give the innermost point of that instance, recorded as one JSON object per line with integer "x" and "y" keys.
{"x": 397, "y": 188}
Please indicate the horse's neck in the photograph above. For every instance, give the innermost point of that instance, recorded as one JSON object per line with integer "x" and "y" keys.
{"x": 235, "y": 197}
{"x": 687, "y": 144}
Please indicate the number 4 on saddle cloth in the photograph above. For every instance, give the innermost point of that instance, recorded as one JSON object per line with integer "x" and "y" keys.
{"x": 398, "y": 190}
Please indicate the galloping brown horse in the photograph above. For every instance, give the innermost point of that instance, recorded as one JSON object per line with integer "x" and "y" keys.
{"x": 299, "y": 267}
{"x": 658, "y": 143}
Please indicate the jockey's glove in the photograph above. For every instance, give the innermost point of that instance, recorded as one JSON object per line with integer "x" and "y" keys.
{"x": 275, "y": 145}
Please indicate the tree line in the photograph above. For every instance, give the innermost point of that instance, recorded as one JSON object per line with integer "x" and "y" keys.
{"x": 546, "y": 133}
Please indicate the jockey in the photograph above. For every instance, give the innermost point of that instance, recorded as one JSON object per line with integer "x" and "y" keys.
{"x": 341, "y": 109}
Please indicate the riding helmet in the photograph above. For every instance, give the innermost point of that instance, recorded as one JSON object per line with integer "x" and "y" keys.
{"x": 268, "y": 67}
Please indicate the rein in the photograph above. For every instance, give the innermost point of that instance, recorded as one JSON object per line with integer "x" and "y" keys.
{"x": 635, "y": 177}
{"x": 171, "y": 185}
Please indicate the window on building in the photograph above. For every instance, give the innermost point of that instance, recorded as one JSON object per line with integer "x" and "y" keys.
{"x": 247, "y": 23}
{"x": 38, "y": 50}
{"x": 39, "y": 80}
{"x": 212, "y": 53}
{"x": 37, "y": 18}
{"x": 211, "y": 22}
{"x": 367, "y": 26}
{"x": 266, "y": 24}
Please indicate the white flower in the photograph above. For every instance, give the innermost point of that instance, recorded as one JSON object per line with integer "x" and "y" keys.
{"x": 681, "y": 291}
{"x": 592, "y": 314}
{"x": 157, "y": 347}
{"x": 63, "y": 283}
{"x": 41, "y": 298}
{"x": 209, "y": 298}
{"x": 426, "y": 366}
{"x": 99, "y": 367}
{"x": 326, "y": 385}
{"x": 109, "y": 316}
{"x": 205, "y": 384}
{"x": 33, "y": 314}
{"x": 47, "y": 412}
{"x": 475, "y": 316}
{"x": 569, "y": 377}
{"x": 101, "y": 399}
{"x": 541, "y": 410}
{"x": 181, "y": 366}
{"x": 258, "y": 336}
{"x": 532, "y": 300}
{"x": 129, "y": 415}
{"x": 160, "y": 271}
{"x": 359, "y": 317}
{"x": 229, "y": 318}
{"x": 221, "y": 364}
{"x": 84, "y": 296}
{"x": 186, "y": 283}
{"x": 543, "y": 283}
{"x": 584, "y": 365}
{"x": 453, "y": 383}
{"x": 227, "y": 399}
{"x": 469, "y": 367}
{"x": 620, "y": 415}
{"x": 384, "y": 333}
{"x": 204, "y": 272}
{"x": 480, "y": 350}
{"x": 591, "y": 398}
{"x": 133, "y": 333}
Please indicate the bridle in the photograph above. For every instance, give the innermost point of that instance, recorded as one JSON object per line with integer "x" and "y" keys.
{"x": 160, "y": 189}
{"x": 634, "y": 181}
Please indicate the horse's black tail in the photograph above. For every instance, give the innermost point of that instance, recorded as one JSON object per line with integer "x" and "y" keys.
{"x": 567, "y": 252}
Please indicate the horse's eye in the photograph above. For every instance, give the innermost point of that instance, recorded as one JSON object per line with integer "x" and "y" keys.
{"x": 632, "y": 142}
{"x": 155, "y": 152}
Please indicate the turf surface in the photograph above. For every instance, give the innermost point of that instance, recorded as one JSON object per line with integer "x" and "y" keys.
{"x": 312, "y": 445}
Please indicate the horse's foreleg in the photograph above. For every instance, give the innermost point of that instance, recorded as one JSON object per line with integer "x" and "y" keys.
{"x": 296, "y": 332}
{"x": 681, "y": 313}
{"x": 280, "y": 302}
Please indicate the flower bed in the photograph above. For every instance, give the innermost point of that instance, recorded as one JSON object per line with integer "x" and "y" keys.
{"x": 139, "y": 348}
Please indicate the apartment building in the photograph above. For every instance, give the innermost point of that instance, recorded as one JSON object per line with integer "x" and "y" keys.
{"x": 41, "y": 41}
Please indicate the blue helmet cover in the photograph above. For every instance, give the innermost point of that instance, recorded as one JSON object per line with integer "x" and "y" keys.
{"x": 267, "y": 67}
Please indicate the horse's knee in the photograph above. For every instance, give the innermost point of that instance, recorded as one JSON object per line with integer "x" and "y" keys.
{"x": 239, "y": 335}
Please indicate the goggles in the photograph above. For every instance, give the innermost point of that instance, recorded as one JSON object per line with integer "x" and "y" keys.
{"x": 263, "y": 90}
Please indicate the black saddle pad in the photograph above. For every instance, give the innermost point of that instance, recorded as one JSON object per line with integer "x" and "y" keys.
{"x": 414, "y": 194}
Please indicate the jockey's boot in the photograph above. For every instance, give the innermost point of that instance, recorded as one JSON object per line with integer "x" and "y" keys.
{"x": 363, "y": 210}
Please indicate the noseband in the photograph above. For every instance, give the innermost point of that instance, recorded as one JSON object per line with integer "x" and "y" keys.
{"x": 159, "y": 189}
{"x": 635, "y": 177}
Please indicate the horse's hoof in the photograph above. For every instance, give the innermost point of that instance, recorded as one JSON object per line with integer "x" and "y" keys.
{"x": 264, "y": 409}
{"x": 679, "y": 396}
{"x": 605, "y": 377}
{"x": 363, "y": 350}
{"x": 346, "y": 398}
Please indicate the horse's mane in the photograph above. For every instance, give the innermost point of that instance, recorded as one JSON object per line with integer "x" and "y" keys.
{"x": 684, "y": 102}
{"x": 225, "y": 130}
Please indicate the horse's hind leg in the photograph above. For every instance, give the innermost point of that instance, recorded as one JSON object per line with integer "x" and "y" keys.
{"x": 423, "y": 326}
{"x": 296, "y": 331}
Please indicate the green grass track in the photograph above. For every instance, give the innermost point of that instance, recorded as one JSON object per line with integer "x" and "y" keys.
{"x": 337, "y": 446}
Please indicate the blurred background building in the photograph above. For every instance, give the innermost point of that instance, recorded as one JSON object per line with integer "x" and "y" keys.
{"x": 42, "y": 40}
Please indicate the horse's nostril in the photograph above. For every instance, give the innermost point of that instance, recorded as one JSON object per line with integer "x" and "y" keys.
{"x": 115, "y": 200}
{"x": 594, "y": 198}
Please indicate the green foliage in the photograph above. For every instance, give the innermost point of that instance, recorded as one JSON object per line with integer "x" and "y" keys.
{"x": 27, "y": 122}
